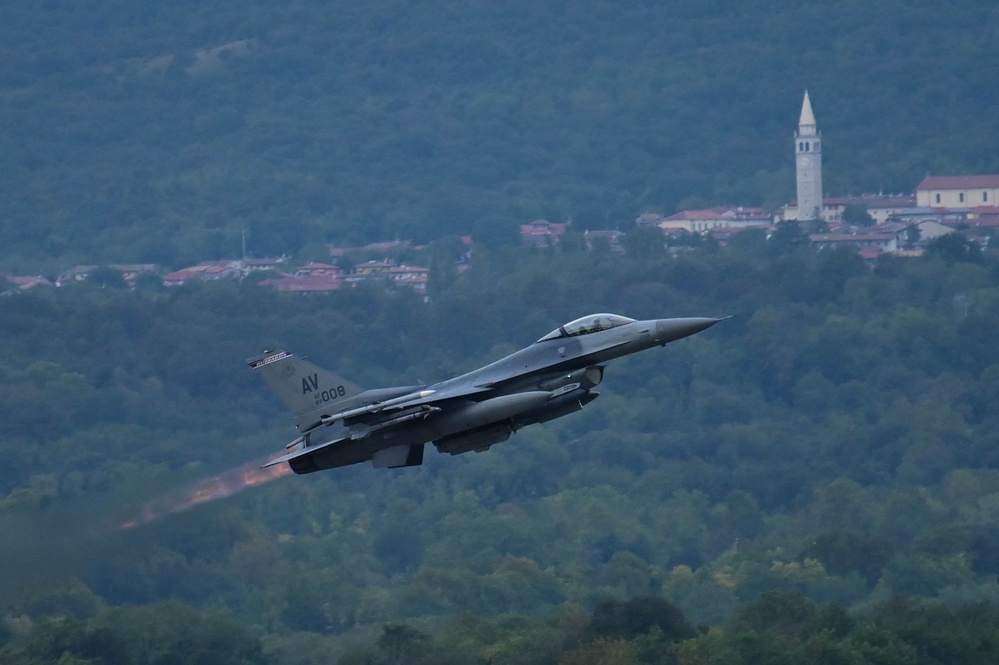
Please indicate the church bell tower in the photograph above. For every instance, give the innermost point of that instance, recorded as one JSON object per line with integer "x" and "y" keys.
{"x": 808, "y": 159}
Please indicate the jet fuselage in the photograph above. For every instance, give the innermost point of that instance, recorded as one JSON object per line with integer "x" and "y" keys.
{"x": 553, "y": 377}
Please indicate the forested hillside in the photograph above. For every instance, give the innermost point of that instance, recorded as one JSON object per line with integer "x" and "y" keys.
{"x": 815, "y": 479}
{"x": 160, "y": 133}
{"x": 818, "y": 474}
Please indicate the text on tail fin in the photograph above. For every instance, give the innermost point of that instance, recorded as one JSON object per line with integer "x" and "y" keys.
{"x": 308, "y": 390}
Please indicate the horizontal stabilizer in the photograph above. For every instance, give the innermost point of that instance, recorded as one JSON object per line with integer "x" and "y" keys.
{"x": 302, "y": 452}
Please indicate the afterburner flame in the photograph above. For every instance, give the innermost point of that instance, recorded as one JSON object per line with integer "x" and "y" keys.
{"x": 217, "y": 487}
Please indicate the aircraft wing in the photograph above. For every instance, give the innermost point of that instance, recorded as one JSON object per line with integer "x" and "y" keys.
{"x": 419, "y": 398}
{"x": 424, "y": 398}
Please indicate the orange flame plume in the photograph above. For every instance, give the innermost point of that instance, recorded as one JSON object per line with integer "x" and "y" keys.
{"x": 217, "y": 487}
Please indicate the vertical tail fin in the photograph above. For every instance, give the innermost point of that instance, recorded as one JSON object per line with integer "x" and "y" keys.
{"x": 308, "y": 390}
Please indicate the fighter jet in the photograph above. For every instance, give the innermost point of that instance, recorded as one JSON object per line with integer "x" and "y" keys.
{"x": 341, "y": 423}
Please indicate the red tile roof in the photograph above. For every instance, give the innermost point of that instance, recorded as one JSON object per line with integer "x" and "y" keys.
{"x": 308, "y": 284}
{"x": 28, "y": 282}
{"x": 959, "y": 182}
{"x": 870, "y": 253}
{"x": 181, "y": 276}
{"x": 542, "y": 228}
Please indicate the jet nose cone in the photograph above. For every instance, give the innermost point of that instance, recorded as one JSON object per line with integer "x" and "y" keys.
{"x": 669, "y": 330}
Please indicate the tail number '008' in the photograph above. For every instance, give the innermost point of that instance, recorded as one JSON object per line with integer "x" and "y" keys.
{"x": 330, "y": 395}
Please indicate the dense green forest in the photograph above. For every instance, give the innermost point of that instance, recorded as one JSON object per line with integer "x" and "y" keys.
{"x": 160, "y": 133}
{"x": 817, "y": 476}
{"x": 815, "y": 479}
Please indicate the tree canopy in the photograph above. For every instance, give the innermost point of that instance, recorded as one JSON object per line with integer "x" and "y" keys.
{"x": 834, "y": 440}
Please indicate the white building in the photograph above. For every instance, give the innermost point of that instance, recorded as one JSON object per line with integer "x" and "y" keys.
{"x": 960, "y": 191}
{"x": 808, "y": 160}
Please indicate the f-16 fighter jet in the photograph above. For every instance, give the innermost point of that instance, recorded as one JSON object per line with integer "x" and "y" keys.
{"x": 341, "y": 423}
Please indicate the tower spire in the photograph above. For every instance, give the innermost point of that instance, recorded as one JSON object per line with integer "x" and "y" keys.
{"x": 807, "y": 117}
{"x": 808, "y": 159}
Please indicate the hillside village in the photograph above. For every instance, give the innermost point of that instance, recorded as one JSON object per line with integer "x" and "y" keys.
{"x": 870, "y": 224}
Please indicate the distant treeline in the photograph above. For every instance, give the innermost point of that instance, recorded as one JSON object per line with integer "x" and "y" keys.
{"x": 777, "y": 628}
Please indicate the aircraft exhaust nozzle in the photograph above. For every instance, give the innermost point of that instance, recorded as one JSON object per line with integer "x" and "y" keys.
{"x": 670, "y": 330}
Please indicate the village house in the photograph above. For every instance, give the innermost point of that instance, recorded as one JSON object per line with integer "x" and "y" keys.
{"x": 206, "y": 271}
{"x": 418, "y": 284}
{"x": 314, "y": 269}
{"x": 984, "y": 216}
{"x": 129, "y": 272}
{"x": 880, "y": 207}
{"x": 180, "y": 277}
{"x": 963, "y": 191}
{"x": 408, "y": 273}
{"x": 702, "y": 221}
{"x": 924, "y": 213}
{"x": 883, "y": 242}
{"x": 910, "y": 233}
{"x": 24, "y": 282}
{"x": 899, "y": 237}
{"x": 415, "y": 277}
{"x": 929, "y": 229}
{"x": 541, "y": 233}
{"x": 315, "y": 277}
{"x": 982, "y": 225}
{"x": 370, "y": 268}
{"x": 257, "y": 265}
{"x": 305, "y": 283}
{"x": 312, "y": 277}
{"x": 77, "y": 274}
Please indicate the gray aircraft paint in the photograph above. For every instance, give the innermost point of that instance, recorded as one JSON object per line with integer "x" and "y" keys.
{"x": 341, "y": 423}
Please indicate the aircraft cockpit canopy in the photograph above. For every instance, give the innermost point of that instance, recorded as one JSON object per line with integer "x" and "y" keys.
{"x": 588, "y": 324}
